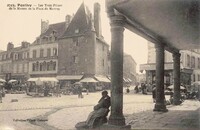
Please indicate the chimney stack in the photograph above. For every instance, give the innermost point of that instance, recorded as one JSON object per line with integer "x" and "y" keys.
{"x": 10, "y": 46}
{"x": 25, "y": 44}
{"x": 67, "y": 20}
{"x": 97, "y": 19}
{"x": 44, "y": 26}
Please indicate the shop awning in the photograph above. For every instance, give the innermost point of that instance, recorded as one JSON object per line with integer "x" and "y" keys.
{"x": 102, "y": 79}
{"x": 69, "y": 77}
{"x": 88, "y": 80}
{"x": 152, "y": 66}
{"x": 51, "y": 79}
{"x": 2, "y": 80}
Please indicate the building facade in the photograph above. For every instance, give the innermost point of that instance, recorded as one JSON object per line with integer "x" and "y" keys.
{"x": 14, "y": 62}
{"x": 190, "y": 66}
{"x": 68, "y": 50}
{"x": 129, "y": 69}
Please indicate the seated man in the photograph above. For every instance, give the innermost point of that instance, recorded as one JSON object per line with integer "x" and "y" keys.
{"x": 98, "y": 116}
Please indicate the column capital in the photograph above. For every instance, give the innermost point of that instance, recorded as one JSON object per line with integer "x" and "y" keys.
{"x": 117, "y": 21}
{"x": 159, "y": 45}
{"x": 176, "y": 54}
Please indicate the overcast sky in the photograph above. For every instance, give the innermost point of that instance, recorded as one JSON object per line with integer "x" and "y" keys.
{"x": 24, "y": 25}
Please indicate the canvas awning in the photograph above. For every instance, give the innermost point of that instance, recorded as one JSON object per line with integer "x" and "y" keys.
{"x": 50, "y": 79}
{"x": 2, "y": 80}
{"x": 102, "y": 79}
{"x": 12, "y": 80}
{"x": 88, "y": 80}
{"x": 69, "y": 77}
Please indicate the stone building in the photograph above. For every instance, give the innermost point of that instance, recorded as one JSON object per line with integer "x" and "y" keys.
{"x": 14, "y": 62}
{"x": 129, "y": 69}
{"x": 190, "y": 66}
{"x": 68, "y": 50}
{"x": 162, "y": 23}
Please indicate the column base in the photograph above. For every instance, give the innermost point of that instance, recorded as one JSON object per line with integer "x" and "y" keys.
{"x": 159, "y": 107}
{"x": 118, "y": 121}
{"x": 114, "y": 127}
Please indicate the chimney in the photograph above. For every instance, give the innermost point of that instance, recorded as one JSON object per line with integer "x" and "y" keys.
{"x": 10, "y": 46}
{"x": 25, "y": 44}
{"x": 68, "y": 19}
{"x": 44, "y": 26}
{"x": 97, "y": 19}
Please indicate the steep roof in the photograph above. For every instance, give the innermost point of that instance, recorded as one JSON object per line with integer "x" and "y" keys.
{"x": 81, "y": 22}
{"x": 59, "y": 28}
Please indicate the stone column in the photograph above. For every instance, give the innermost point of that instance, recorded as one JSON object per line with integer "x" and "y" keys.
{"x": 117, "y": 29}
{"x": 160, "y": 96}
{"x": 176, "y": 71}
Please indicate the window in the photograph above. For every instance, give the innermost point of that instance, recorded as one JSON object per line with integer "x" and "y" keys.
{"x": 188, "y": 60}
{"x": 51, "y": 65}
{"x": 41, "y": 66}
{"x": 34, "y": 53}
{"x": 198, "y": 63}
{"x": 27, "y": 54}
{"x": 75, "y": 59}
{"x": 23, "y": 55}
{"x": 198, "y": 77}
{"x": 9, "y": 55}
{"x": 41, "y": 52}
{"x": 103, "y": 62}
{"x": 48, "y": 52}
{"x": 76, "y": 30}
{"x": 16, "y": 56}
{"x": 33, "y": 67}
{"x": 75, "y": 41}
{"x": 55, "y": 51}
{"x": 44, "y": 66}
{"x": 54, "y": 65}
{"x": 194, "y": 78}
{"x": 48, "y": 66}
{"x": 37, "y": 66}
{"x": 193, "y": 62}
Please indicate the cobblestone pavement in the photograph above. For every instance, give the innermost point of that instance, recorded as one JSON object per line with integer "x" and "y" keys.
{"x": 64, "y": 112}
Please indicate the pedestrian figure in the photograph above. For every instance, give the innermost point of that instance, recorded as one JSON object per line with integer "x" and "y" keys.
{"x": 98, "y": 116}
{"x": 79, "y": 92}
{"x": 143, "y": 87}
{"x": 58, "y": 90}
{"x": 136, "y": 89}
{"x": 154, "y": 93}
{"x": 1, "y": 92}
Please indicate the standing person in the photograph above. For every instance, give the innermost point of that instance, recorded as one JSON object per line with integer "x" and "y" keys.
{"x": 136, "y": 88}
{"x": 80, "y": 92}
{"x": 58, "y": 90}
{"x": 87, "y": 89}
{"x": 1, "y": 92}
{"x": 154, "y": 93}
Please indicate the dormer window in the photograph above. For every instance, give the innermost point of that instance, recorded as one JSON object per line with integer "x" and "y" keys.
{"x": 76, "y": 30}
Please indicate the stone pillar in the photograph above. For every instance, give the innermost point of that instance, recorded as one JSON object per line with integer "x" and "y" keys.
{"x": 176, "y": 71}
{"x": 117, "y": 29}
{"x": 160, "y": 96}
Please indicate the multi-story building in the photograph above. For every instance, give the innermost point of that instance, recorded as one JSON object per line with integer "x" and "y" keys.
{"x": 129, "y": 69}
{"x": 14, "y": 62}
{"x": 67, "y": 50}
{"x": 190, "y": 66}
